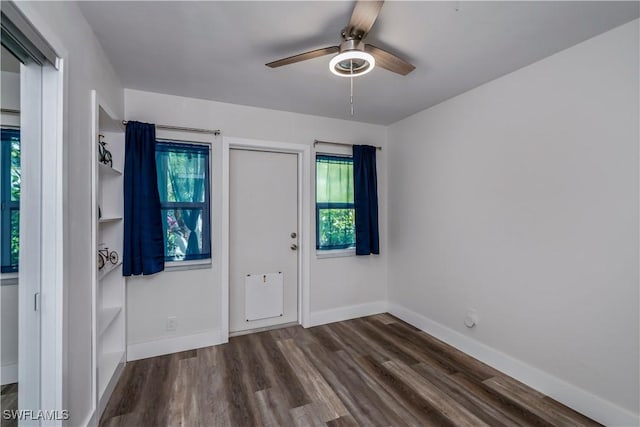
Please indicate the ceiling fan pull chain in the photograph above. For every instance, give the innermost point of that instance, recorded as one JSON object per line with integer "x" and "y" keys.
{"x": 351, "y": 93}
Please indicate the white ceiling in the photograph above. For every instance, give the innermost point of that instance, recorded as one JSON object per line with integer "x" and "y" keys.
{"x": 217, "y": 50}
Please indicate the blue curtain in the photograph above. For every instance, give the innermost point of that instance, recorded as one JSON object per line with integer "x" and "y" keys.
{"x": 143, "y": 251}
{"x": 365, "y": 193}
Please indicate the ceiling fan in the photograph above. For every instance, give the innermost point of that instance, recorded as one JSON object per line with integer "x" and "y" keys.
{"x": 355, "y": 58}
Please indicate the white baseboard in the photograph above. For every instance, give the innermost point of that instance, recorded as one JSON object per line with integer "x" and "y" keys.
{"x": 9, "y": 374}
{"x": 170, "y": 345}
{"x": 90, "y": 421}
{"x": 345, "y": 313}
{"x": 582, "y": 401}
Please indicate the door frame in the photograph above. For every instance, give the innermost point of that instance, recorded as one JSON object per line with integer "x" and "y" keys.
{"x": 44, "y": 253}
{"x": 303, "y": 152}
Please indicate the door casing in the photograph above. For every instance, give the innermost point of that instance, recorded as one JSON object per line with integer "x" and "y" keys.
{"x": 304, "y": 227}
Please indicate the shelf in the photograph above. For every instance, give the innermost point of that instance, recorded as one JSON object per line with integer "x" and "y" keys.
{"x": 107, "y": 317}
{"x": 108, "y": 268}
{"x": 108, "y": 169}
{"x": 108, "y": 123}
{"x": 107, "y": 367}
{"x": 108, "y": 219}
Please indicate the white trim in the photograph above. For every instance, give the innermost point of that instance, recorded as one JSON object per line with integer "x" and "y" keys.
{"x": 111, "y": 385}
{"x": 8, "y": 279}
{"x": 304, "y": 232}
{"x": 335, "y": 253}
{"x": 9, "y": 374}
{"x": 345, "y": 313}
{"x": 90, "y": 420}
{"x": 95, "y": 120}
{"x": 170, "y": 345}
{"x": 224, "y": 243}
{"x": 581, "y": 400}
{"x": 52, "y": 235}
{"x": 305, "y": 236}
{"x": 194, "y": 264}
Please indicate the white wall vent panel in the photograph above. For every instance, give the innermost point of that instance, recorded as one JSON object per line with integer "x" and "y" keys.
{"x": 264, "y": 295}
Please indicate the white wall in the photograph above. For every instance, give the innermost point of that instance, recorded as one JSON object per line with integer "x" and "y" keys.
{"x": 10, "y": 94}
{"x": 194, "y": 296}
{"x": 86, "y": 68}
{"x": 520, "y": 199}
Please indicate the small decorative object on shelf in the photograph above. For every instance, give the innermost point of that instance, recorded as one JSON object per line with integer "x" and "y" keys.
{"x": 105, "y": 255}
{"x": 99, "y": 212}
{"x": 104, "y": 155}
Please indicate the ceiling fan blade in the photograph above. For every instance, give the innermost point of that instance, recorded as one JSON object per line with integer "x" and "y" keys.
{"x": 389, "y": 61}
{"x": 304, "y": 56}
{"x": 363, "y": 17}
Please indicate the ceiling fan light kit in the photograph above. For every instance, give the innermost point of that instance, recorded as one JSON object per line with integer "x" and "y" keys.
{"x": 352, "y": 63}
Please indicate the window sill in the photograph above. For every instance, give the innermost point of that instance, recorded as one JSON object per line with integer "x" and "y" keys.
{"x": 7, "y": 279}
{"x": 197, "y": 264}
{"x": 336, "y": 253}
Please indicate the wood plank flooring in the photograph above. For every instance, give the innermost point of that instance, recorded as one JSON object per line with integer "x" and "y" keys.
{"x": 372, "y": 371}
{"x": 8, "y": 401}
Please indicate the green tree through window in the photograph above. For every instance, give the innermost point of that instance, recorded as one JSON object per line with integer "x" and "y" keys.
{"x": 10, "y": 194}
{"x": 335, "y": 213}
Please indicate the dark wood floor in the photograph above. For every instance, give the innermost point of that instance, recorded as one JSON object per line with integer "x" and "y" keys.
{"x": 8, "y": 401}
{"x": 373, "y": 371}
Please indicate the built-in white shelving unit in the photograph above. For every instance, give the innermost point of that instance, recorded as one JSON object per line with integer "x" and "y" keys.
{"x": 109, "y": 308}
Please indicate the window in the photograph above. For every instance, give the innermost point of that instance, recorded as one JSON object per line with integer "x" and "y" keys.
{"x": 335, "y": 213}
{"x": 183, "y": 183}
{"x": 10, "y": 188}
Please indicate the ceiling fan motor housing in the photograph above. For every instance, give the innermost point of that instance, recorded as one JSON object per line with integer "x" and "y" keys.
{"x": 351, "y": 44}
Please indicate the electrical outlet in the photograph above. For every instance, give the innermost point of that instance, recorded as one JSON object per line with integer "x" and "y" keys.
{"x": 471, "y": 319}
{"x": 172, "y": 323}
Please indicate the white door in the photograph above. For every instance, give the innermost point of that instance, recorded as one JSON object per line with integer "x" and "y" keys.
{"x": 263, "y": 228}
{"x": 31, "y": 214}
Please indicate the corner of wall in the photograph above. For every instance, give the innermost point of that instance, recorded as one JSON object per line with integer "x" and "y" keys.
{"x": 582, "y": 401}
{"x": 143, "y": 350}
{"x": 339, "y": 314}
